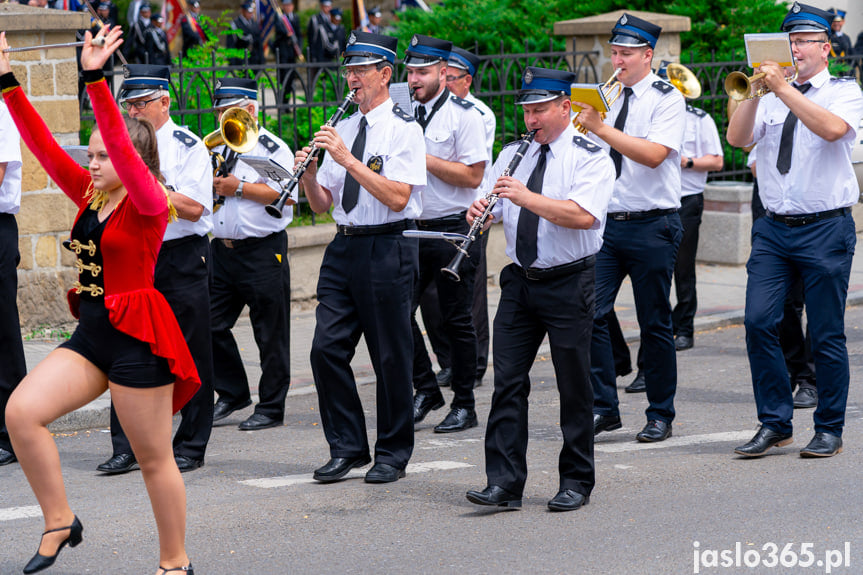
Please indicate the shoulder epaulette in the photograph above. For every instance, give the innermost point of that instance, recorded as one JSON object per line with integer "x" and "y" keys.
{"x": 186, "y": 139}
{"x": 663, "y": 86}
{"x": 461, "y": 102}
{"x": 402, "y": 114}
{"x": 508, "y": 144}
{"x": 842, "y": 78}
{"x": 697, "y": 111}
{"x": 586, "y": 144}
{"x": 270, "y": 144}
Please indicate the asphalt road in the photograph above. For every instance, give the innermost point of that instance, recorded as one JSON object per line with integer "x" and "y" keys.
{"x": 674, "y": 507}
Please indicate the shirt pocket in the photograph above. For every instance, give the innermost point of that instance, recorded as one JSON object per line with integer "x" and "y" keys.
{"x": 440, "y": 144}
{"x": 636, "y": 129}
{"x": 774, "y": 121}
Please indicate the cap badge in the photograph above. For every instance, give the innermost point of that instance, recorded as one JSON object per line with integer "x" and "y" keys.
{"x": 126, "y": 73}
{"x": 414, "y": 41}
{"x": 623, "y": 20}
{"x": 528, "y": 77}
{"x": 352, "y": 39}
{"x": 795, "y": 8}
{"x": 219, "y": 85}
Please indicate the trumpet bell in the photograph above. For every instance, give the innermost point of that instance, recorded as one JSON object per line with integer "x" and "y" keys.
{"x": 684, "y": 80}
{"x": 237, "y": 129}
{"x": 738, "y": 85}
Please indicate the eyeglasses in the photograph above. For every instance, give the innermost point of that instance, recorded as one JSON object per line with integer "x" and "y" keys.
{"x": 801, "y": 43}
{"x": 358, "y": 72}
{"x": 140, "y": 104}
{"x": 454, "y": 78}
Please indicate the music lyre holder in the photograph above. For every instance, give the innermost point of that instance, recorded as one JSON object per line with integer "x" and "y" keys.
{"x": 452, "y": 237}
{"x": 268, "y": 168}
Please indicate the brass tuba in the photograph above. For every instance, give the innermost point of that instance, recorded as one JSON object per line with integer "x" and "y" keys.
{"x": 238, "y": 130}
{"x": 684, "y": 80}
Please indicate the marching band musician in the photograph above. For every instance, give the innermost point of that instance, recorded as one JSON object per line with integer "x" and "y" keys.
{"x": 249, "y": 259}
{"x": 805, "y": 133}
{"x": 369, "y": 269}
{"x": 644, "y": 133}
{"x": 456, "y": 159}
{"x": 182, "y": 269}
{"x": 553, "y": 225}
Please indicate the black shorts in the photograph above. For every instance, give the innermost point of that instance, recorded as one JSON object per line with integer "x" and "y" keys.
{"x": 127, "y": 361}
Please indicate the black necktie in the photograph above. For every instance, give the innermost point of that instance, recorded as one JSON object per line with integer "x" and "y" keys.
{"x": 619, "y": 122}
{"x": 786, "y": 144}
{"x": 528, "y": 222}
{"x": 352, "y": 187}
{"x": 421, "y": 115}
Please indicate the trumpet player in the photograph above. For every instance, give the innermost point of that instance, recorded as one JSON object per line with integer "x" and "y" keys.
{"x": 805, "y": 132}
{"x": 456, "y": 159}
{"x": 182, "y": 269}
{"x": 249, "y": 259}
{"x": 553, "y": 208}
{"x": 369, "y": 269}
{"x": 644, "y": 132}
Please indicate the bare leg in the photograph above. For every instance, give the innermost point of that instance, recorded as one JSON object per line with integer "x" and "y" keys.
{"x": 145, "y": 415}
{"x": 61, "y": 383}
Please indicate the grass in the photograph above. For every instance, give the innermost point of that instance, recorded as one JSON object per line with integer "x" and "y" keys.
{"x": 45, "y": 332}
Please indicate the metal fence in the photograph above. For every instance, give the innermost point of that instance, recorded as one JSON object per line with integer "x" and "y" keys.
{"x": 296, "y": 99}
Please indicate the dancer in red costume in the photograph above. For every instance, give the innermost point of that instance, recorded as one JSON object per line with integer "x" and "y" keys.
{"x": 127, "y": 339}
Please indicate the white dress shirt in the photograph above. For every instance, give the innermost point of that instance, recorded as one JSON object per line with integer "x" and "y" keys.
{"x": 399, "y": 145}
{"x": 241, "y": 218}
{"x": 10, "y": 152}
{"x": 700, "y": 138}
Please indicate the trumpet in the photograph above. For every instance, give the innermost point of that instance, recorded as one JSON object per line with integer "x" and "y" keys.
{"x": 451, "y": 270}
{"x": 739, "y": 86}
{"x": 275, "y": 209}
{"x": 611, "y": 91}
{"x": 239, "y": 131}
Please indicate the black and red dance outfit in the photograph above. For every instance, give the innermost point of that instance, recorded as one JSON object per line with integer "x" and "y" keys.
{"x": 120, "y": 296}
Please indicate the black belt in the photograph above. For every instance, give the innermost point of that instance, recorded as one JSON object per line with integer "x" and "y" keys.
{"x": 180, "y": 241}
{"x": 793, "y": 221}
{"x": 539, "y": 274}
{"x": 435, "y": 222}
{"x": 390, "y": 228}
{"x": 244, "y": 243}
{"x": 626, "y": 216}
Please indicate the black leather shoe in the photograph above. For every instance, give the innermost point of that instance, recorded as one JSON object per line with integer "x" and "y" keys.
{"x": 568, "y": 500}
{"x": 638, "y": 384}
{"x": 806, "y": 396}
{"x": 605, "y": 423}
{"x": 621, "y": 369}
{"x": 763, "y": 440}
{"x": 444, "y": 377}
{"x": 223, "y": 409}
{"x": 258, "y": 421}
{"x": 424, "y": 403}
{"x": 187, "y": 569}
{"x": 683, "y": 342}
{"x": 458, "y": 419}
{"x": 822, "y": 445}
{"x": 6, "y": 457}
{"x": 655, "y": 430}
{"x": 337, "y": 467}
{"x": 40, "y": 562}
{"x": 384, "y": 473}
{"x": 120, "y": 463}
{"x": 494, "y": 496}
{"x": 185, "y": 463}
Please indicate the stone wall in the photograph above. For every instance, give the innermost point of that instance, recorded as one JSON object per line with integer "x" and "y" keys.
{"x": 50, "y": 79}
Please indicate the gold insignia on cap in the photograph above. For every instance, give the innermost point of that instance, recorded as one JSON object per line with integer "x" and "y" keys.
{"x": 352, "y": 39}
{"x": 415, "y": 40}
{"x": 623, "y": 20}
{"x": 528, "y": 76}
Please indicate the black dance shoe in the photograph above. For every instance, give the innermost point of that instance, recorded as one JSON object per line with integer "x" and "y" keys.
{"x": 187, "y": 569}
{"x": 40, "y": 562}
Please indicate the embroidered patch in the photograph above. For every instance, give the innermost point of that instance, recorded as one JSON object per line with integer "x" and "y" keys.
{"x": 376, "y": 164}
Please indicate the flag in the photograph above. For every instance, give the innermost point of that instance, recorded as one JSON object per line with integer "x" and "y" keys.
{"x": 361, "y": 17}
{"x": 266, "y": 17}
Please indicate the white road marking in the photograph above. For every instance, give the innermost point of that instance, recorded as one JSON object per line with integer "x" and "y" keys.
{"x": 672, "y": 441}
{"x": 290, "y": 480}
{"x": 11, "y": 513}
{"x": 439, "y": 443}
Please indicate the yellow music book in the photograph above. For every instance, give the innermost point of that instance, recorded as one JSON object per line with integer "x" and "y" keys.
{"x": 588, "y": 94}
{"x": 762, "y": 47}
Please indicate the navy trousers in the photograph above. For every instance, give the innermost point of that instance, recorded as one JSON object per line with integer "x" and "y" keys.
{"x": 366, "y": 288}
{"x": 683, "y": 315}
{"x": 821, "y": 253}
{"x": 12, "y": 364}
{"x": 645, "y": 250}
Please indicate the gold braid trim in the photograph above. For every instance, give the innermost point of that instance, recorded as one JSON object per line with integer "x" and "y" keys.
{"x": 97, "y": 198}
{"x": 172, "y": 211}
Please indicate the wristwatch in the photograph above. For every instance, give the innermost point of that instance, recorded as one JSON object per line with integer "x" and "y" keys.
{"x": 689, "y": 164}
{"x": 238, "y": 193}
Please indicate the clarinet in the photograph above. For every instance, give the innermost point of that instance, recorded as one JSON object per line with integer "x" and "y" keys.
{"x": 451, "y": 270}
{"x": 275, "y": 209}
